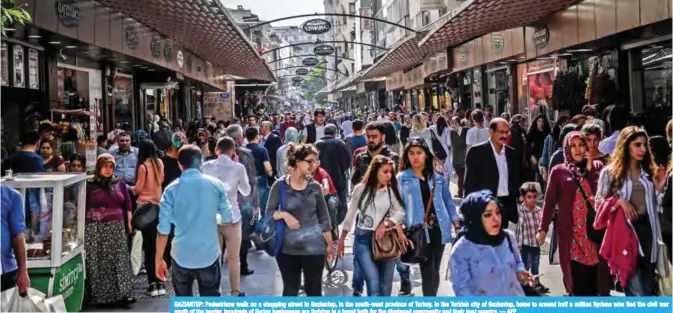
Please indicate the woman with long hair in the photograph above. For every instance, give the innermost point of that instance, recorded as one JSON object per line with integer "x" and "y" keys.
{"x": 568, "y": 196}
{"x": 52, "y": 162}
{"x": 419, "y": 129}
{"x": 421, "y": 184}
{"x": 380, "y": 208}
{"x": 484, "y": 260}
{"x": 537, "y": 133}
{"x": 77, "y": 163}
{"x": 149, "y": 177}
{"x": 108, "y": 267}
{"x": 630, "y": 183}
{"x": 308, "y": 235}
{"x": 442, "y": 132}
{"x": 391, "y": 139}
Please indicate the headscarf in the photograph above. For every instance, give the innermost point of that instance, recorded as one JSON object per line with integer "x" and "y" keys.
{"x": 291, "y": 135}
{"x": 178, "y": 139}
{"x": 571, "y": 164}
{"x": 472, "y": 208}
{"x": 107, "y": 183}
{"x": 141, "y": 135}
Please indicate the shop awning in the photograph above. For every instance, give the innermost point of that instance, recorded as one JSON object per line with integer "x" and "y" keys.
{"x": 402, "y": 55}
{"x": 204, "y": 27}
{"x": 476, "y": 18}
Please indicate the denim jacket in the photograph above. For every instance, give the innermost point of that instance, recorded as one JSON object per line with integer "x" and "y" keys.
{"x": 445, "y": 210}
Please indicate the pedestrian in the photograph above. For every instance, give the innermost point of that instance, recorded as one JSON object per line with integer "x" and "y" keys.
{"x": 14, "y": 265}
{"x": 170, "y": 159}
{"x": 323, "y": 178}
{"x": 458, "y": 138}
{"x": 101, "y": 144}
{"x": 568, "y": 197}
{"x": 262, "y": 163}
{"x": 537, "y": 133}
{"x": 419, "y": 129}
{"x": 618, "y": 117}
{"x": 77, "y": 163}
{"x": 126, "y": 159}
{"x": 234, "y": 176}
{"x": 248, "y": 205}
{"x": 428, "y": 201}
{"x": 594, "y": 134}
{"x": 335, "y": 159}
{"x": 478, "y": 133}
{"x": 484, "y": 260}
{"x": 530, "y": 217}
{"x": 493, "y": 165}
{"x": 150, "y": 172}
{"x": 271, "y": 142}
{"x": 191, "y": 203}
{"x": 357, "y": 138}
{"x": 52, "y": 161}
{"x": 630, "y": 183}
{"x": 441, "y": 131}
{"x": 108, "y": 270}
{"x": 378, "y": 204}
{"x": 291, "y": 136}
{"x": 316, "y": 130}
{"x": 307, "y": 240}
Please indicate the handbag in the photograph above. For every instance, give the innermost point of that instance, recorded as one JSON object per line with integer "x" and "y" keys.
{"x": 390, "y": 246}
{"x": 145, "y": 215}
{"x": 594, "y": 235}
{"x": 417, "y": 235}
{"x": 271, "y": 232}
{"x": 437, "y": 147}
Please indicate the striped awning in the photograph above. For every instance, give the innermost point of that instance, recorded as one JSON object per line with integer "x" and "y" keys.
{"x": 204, "y": 27}
{"x": 476, "y": 18}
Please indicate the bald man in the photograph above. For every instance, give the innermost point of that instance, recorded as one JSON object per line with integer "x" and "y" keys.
{"x": 493, "y": 165}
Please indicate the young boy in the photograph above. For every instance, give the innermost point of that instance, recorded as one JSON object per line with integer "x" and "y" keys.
{"x": 530, "y": 217}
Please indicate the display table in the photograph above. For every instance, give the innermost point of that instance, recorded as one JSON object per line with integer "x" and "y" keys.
{"x": 55, "y": 204}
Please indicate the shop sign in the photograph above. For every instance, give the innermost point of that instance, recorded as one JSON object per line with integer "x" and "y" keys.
{"x": 463, "y": 56}
{"x": 310, "y": 62}
{"x": 131, "y": 36}
{"x": 316, "y": 26}
{"x": 33, "y": 78}
{"x": 301, "y": 71}
{"x": 4, "y": 76}
{"x": 541, "y": 36}
{"x": 180, "y": 59}
{"x": 297, "y": 79}
{"x": 497, "y": 42}
{"x": 323, "y": 50}
{"x": 189, "y": 63}
{"x": 155, "y": 47}
{"x": 19, "y": 79}
{"x": 224, "y": 95}
{"x": 67, "y": 11}
{"x": 168, "y": 52}
{"x": 366, "y": 23}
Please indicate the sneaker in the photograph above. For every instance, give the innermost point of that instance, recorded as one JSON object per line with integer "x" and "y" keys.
{"x": 405, "y": 288}
{"x": 153, "y": 290}
{"x": 541, "y": 288}
{"x": 357, "y": 294}
{"x": 162, "y": 289}
{"x": 247, "y": 272}
{"x": 237, "y": 294}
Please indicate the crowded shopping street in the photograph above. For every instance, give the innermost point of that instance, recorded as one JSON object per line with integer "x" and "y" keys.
{"x": 354, "y": 148}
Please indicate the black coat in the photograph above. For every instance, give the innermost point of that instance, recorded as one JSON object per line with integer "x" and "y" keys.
{"x": 481, "y": 172}
{"x": 335, "y": 159}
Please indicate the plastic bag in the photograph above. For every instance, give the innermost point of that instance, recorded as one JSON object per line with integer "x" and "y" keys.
{"x": 137, "y": 253}
{"x": 34, "y": 301}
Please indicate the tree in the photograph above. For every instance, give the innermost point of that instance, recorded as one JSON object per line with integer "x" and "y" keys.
{"x": 315, "y": 80}
{"x": 11, "y": 15}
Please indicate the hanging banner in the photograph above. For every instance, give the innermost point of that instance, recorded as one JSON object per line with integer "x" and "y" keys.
{"x": 316, "y": 26}
{"x": 323, "y": 50}
{"x": 310, "y": 62}
{"x": 301, "y": 71}
{"x": 4, "y": 76}
{"x": 33, "y": 77}
{"x": 19, "y": 79}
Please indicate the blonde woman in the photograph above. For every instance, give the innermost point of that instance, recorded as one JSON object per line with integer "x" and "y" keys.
{"x": 419, "y": 129}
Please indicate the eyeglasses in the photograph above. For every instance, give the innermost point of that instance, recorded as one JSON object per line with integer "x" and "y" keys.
{"x": 311, "y": 162}
{"x": 502, "y": 132}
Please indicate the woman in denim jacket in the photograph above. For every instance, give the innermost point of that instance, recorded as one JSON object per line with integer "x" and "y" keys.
{"x": 416, "y": 178}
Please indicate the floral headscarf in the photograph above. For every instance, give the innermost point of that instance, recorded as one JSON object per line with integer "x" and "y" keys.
{"x": 571, "y": 164}
{"x": 107, "y": 183}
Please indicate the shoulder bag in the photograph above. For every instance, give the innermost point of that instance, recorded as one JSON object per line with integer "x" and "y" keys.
{"x": 272, "y": 231}
{"x": 146, "y": 215}
{"x": 438, "y": 147}
{"x": 390, "y": 246}
{"x": 417, "y": 235}
{"x": 594, "y": 235}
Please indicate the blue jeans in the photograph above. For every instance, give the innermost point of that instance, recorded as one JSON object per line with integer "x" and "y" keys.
{"x": 247, "y": 229}
{"x": 207, "y": 278}
{"x": 332, "y": 208}
{"x": 263, "y": 190}
{"x": 531, "y": 258}
{"x": 641, "y": 284}
{"x": 404, "y": 270}
{"x": 377, "y": 274}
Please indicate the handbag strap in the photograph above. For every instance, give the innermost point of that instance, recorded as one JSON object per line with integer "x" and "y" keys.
{"x": 584, "y": 194}
{"x": 432, "y": 195}
{"x": 281, "y": 195}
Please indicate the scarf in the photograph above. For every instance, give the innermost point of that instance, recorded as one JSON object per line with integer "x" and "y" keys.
{"x": 107, "y": 183}
{"x": 573, "y": 167}
{"x": 472, "y": 208}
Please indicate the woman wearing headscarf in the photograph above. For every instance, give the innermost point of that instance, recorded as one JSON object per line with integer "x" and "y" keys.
{"x": 108, "y": 270}
{"x": 170, "y": 159}
{"x": 484, "y": 260}
{"x": 291, "y": 136}
{"x": 569, "y": 197}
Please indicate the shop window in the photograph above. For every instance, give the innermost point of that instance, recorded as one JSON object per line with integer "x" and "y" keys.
{"x": 122, "y": 93}
{"x": 657, "y": 65}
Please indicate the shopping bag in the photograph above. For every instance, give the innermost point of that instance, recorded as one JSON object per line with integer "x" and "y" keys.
{"x": 12, "y": 301}
{"x": 56, "y": 304}
{"x": 137, "y": 253}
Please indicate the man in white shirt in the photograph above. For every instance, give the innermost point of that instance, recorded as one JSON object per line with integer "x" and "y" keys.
{"x": 234, "y": 176}
{"x": 478, "y": 133}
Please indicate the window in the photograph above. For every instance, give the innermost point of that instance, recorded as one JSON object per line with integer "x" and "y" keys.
{"x": 351, "y": 8}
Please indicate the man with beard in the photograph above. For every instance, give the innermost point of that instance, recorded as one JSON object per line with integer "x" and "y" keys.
{"x": 493, "y": 165}
{"x": 375, "y": 134}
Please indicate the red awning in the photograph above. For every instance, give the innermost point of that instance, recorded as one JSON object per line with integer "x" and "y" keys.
{"x": 204, "y": 27}
{"x": 476, "y": 18}
{"x": 402, "y": 55}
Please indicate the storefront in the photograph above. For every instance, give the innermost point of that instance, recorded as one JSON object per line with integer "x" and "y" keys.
{"x": 435, "y": 68}
{"x": 394, "y": 90}
{"x": 414, "y": 84}
{"x": 484, "y": 70}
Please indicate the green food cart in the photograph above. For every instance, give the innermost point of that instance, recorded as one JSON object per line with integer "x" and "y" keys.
{"x": 55, "y": 204}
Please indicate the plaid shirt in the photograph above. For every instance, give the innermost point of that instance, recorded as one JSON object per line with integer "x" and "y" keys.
{"x": 529, "y": 223}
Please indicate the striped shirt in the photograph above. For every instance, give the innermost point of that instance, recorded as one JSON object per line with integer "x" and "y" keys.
{"x": 529, "y": 223}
